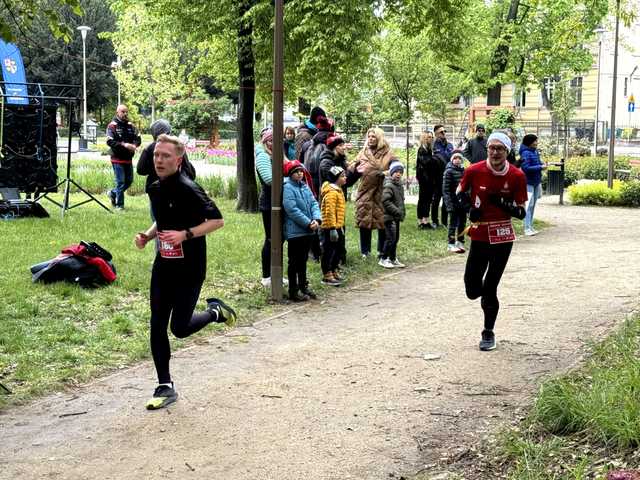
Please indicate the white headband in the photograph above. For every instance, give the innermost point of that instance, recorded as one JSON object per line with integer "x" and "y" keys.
{"x": 500, "y": 137}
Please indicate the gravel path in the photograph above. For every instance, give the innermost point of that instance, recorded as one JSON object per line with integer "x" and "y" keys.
{"x": 385, "y": 379}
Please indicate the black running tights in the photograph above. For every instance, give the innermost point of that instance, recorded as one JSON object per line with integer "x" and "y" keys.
{"x": 172, "y": 299}
{"x": 485, "y": 265}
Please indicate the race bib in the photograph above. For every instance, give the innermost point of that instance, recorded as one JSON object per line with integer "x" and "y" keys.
{"x": 170, "y": 251}
{"x": 501, "y": 232}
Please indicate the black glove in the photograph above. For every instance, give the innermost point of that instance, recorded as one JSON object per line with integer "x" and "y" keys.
{"x": 474, "y": 215}
{"x": 333, "y": 235}
{"x": 464, "y": 200}
{"x": 508, "y": 206}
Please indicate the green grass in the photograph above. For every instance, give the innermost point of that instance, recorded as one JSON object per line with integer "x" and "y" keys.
{"x": 57, "y": 335}
{"x": 585, "y": 422}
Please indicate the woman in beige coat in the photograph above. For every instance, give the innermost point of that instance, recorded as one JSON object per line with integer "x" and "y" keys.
{"x": 372, "y": 163}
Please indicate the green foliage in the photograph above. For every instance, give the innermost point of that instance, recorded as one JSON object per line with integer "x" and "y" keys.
{"x": 630, "y": 193}
{"x": 17, "y": 17}
{"x": 197, "y": 113}
{"x": 602, "y": 398}
{"x": 597, "y": 193}
{"x": 500, "y": 118}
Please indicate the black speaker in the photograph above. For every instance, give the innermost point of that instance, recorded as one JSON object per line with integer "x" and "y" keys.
{"x": 29, "y": 148}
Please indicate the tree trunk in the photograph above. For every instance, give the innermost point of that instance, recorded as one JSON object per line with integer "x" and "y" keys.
{"x": 247, "y": 188}
{"x": 214, "y": 135}
{"x": 500, "y": 57}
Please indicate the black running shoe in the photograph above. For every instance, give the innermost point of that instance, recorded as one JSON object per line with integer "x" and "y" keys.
{"x": 112, "y": 197}
{"x": 298, "y": 297}
{"x": 162, "y": 396}
{"x": 224, "y": 313}
{"x": 308, "y": 293}
{"x": 488, "y": 341}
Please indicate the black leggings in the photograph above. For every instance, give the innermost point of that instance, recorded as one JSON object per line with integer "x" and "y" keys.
{"x": 298, "y": 252}
{"x": 485, "y": 265}
{"x": 172, "y": 297}
{"x": 266, "y": 247}
{"x": 432, "y": 194}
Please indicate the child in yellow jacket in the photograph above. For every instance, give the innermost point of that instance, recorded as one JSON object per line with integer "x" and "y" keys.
{"x": 333, "y": 209}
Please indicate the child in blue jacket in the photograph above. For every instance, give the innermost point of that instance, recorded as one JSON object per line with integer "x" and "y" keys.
{"x": 532, "y": 167}
{"x": 302, "y": 217}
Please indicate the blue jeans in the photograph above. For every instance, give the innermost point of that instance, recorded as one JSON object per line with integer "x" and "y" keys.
{"x": 534, "y": 192}
{"x": 124, "y": 178}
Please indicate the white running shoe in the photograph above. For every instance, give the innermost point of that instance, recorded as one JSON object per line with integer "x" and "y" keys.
{"x": 460, "y": 246}
{"x": 452, "y": 248}
{"x": 397, "y": 263}
{"x": 266, "y": 282}
{"x": 530, "y": 232}
{"x": 386, "y": 263}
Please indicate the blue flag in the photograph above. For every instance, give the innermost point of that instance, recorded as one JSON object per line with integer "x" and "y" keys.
{"x": 13, "y": 71}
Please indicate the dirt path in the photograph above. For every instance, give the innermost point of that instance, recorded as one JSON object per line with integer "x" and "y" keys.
{"x": 342, "y": 390}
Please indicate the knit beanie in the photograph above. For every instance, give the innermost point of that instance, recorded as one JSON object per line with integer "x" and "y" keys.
{"x": 315, "y": 113}
{"x": 292, "y": 167}
{"x": 457, "y": 153}
{"x": 266, "y": 134}
{"x": 334, "y": 173}
{"x": 500, "y": 137}
{"x": 159, "y": 127}
{"x": 334, "y": 140}
{"x": 395, "y": 166}
{"x": 528, "y": 140}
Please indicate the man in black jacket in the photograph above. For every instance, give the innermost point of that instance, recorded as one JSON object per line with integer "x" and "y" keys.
{"x": 123, "y": 139}
{"x": 476, "y": 149}
{"x": 184, "y": 216}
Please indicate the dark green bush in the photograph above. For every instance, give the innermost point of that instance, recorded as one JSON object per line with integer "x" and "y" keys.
{"x": 630, "y": 193}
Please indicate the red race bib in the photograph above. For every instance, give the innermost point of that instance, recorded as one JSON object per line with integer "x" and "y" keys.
{"x": 501, "y": 232}
{"x": 170, "y": 251}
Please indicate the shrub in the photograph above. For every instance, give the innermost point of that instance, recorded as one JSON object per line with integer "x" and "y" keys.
{"x": 596, "y": 193}
{"x": 630, "y": 193}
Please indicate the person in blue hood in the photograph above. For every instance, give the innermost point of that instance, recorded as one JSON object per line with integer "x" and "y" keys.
{"x": 532, "y": 167}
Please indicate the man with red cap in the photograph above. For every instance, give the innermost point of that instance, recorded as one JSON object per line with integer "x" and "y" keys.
{"x": 496, "y": 191}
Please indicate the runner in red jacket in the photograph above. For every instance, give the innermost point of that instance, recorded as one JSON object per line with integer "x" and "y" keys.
{"x": 496, "y": 191}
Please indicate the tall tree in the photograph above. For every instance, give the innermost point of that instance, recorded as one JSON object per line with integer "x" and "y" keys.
{"x": 51, "y": 60}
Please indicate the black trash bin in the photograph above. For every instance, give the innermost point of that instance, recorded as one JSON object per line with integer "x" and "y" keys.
{"x": 555, "y": 182}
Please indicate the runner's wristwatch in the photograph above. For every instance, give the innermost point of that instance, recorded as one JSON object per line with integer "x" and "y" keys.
{"x": 189, "y": 234}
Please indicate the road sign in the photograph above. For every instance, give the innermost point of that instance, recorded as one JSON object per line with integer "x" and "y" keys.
{"x": 631, "y": 107}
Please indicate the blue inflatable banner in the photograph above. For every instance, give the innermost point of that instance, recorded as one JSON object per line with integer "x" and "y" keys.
{"x": 13, "y": 71}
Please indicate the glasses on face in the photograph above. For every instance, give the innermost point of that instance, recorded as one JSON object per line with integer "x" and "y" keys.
{"x": 496, "y": 148}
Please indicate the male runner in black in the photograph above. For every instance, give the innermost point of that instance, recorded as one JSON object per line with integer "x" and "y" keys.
{"x": 184, "y": 215}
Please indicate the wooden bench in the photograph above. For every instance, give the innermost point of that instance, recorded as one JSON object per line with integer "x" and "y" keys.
{"x": 623, "y": 173}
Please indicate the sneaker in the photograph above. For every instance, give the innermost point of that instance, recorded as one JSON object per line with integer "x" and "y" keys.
{"x": 460, "y": 246}
{"x": 266, "y": 282}
{"x": 112, "y": 197}
{"x": 488, "y": 341}
{"x": 298, "y": 297}
{"x": 434, "y": 225}
{"x": 451, "y": 248}
{"x": 224, "y": 313}
{"x": 308, "y": 293}
{"x": 397, "y": 263}
{"x": 385, "y": 263}
{"x": 119, "y": 208}
{"x": 331, "y": 280}
{"x": 338, "y": 276}
{"x": 162, "y": 396}
{"x": 530, "y": 232}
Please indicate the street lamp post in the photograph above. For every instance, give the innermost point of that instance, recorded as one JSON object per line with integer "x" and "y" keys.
{"x": 115, "y": 66}
{"x": 612, "y": 126}
{"x": 83, "y": 31}
{"x": 599, "y": 31}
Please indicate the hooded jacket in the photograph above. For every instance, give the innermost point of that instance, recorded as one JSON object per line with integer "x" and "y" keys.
{"x": 393, "y": 200}
{"x": 450, "y": 181}
{"x": 300, "y": 209}
{"x": 329, "y": 159}
{"x": 531, "y": 165}
{"x": 333, "y": 206}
